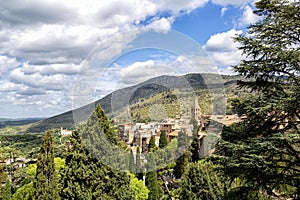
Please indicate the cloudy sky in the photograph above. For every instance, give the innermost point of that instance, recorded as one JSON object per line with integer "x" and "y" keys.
{"x": 44, "y": 45}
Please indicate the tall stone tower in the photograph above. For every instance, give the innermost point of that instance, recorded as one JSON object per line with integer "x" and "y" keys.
{"x": 196, "y": 111}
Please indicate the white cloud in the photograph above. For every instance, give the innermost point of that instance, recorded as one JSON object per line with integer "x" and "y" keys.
{"x": 222, "y": 41}
{"x": 142, "y": 71}
{"x": 43, "y": 44}
{"x": 232, "y": 2}
{"x": 248, "y": 17}
{"x": 163, "y": 23}
{"x": 222, "y": 49}
{"x": 229, "y": 58}
{"x": 57, "y": 82}
{"x": 51, "y": 69}
{"x": 223, "y": 11}
{"x": 227, "y": 70}
{"x": 178, "y": 5}
{"x": 7, "y": 64}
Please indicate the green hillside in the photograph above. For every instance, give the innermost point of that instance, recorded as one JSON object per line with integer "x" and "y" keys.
{"x": 153, "y": 90}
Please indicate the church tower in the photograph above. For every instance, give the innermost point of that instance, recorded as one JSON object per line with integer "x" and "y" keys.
{"x": 196, "y": 111}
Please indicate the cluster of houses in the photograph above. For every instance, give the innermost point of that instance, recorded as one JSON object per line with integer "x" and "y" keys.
{"x": 139, "y": 134}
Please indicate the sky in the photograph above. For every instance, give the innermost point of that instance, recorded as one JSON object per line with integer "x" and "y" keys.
{"x": 49, "y": 48}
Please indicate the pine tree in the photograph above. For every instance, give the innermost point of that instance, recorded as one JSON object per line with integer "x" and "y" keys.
{"x": 163, "y": 140}
{"x": 46, "y": 180}
{"x": 151, "y": 178}
{"x": 263, "y": 150}
{"x": 85, "y": 176}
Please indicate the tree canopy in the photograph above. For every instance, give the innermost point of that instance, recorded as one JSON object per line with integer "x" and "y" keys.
{"x": 264, "y": 149}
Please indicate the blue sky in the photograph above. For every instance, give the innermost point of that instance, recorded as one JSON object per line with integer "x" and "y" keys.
{"x": 44, "y": 46}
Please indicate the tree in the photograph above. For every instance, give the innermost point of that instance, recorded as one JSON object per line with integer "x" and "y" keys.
{"x": 132, "y": 166}
{"x": 152, "y": 145}
{"x": 140, "y": 190}
{"x": 202, "y": 181}
{"x": 139, "y": 169}
{"x": 195, "y": 145}
{"x": 25, "y": 192}
{"x": 151, "y": 178}
{"x": 7, "y": 192}
{"x": 163, "y": 140}
{"x": 183, "y": 153}
{"x": 46, "y": 181}
{"x": 263, "y": 150}
{"x": 195, "y": 148}
{"x": 85, "y": 176}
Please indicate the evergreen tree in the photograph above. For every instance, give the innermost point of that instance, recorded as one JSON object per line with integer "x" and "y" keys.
{"x": 7, "y": 192}
{"x": 105, "y": 125}
{"x": 163, "y": 140}
{"x": 99, "y": 137}
{"x": 195, "y": 148}
{"x": 132, "y": 165}
{"x": 195, "y": 145}
{"x": 202, "y": 181}
{"x": 263, "y": 150}
{"x": 85, "y": 176}
{"x": 152, "y": 145}
{"x": 139, "y": 169}
{"x": 46, "y": 180}
{"x": 151, "y": 178}
{"x": 183, "y": 153}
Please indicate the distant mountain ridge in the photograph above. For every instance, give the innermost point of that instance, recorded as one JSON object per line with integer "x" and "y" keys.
{"x": 4, "y": 122}
{"x": 130, "y": 95}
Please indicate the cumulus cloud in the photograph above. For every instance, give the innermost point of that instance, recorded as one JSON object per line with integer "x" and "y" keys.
{"x": 223, "y": 11}
{"x": 248, "y": 17}
{"x": 7, "y": 64}
{"x": 222, "y": 49}
{"x": 163, "y": 23}
{"x": 55, "y": 82}
{"x": 44, "y": 43}
{"x": 142, "y": 71}
{"x": 178, "y": 5}
{"x": 222, "y": 41}
{"x": 231, "y": 2}
{"x": 51, "y": 69}
{"x": 19, "y": 12}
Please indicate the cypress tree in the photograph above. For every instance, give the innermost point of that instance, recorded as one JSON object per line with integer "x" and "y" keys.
{"x": 195, "y": 148}
{"x": 183, "y": 153}
{"x": 46, "y": 180}
{"x": 152, "y": 145}
{"x": 163, "y": 140}
{"x": 139, "y": 169}
{"x": 151, "y": 178}
{"x": 132, "y": 165}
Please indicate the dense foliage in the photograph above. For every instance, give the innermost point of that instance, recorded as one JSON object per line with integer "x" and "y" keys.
{"x": 85, "y": 176}
{"x": 202, "y": 181}
{"x": 263, "y": 151}
{"x": 163, "y": 140}
{"x": 46, "y": 181}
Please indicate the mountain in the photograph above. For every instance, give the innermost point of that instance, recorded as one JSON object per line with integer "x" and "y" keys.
{"x": 4, "y": 122}
{"x": 127, "y": 96}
